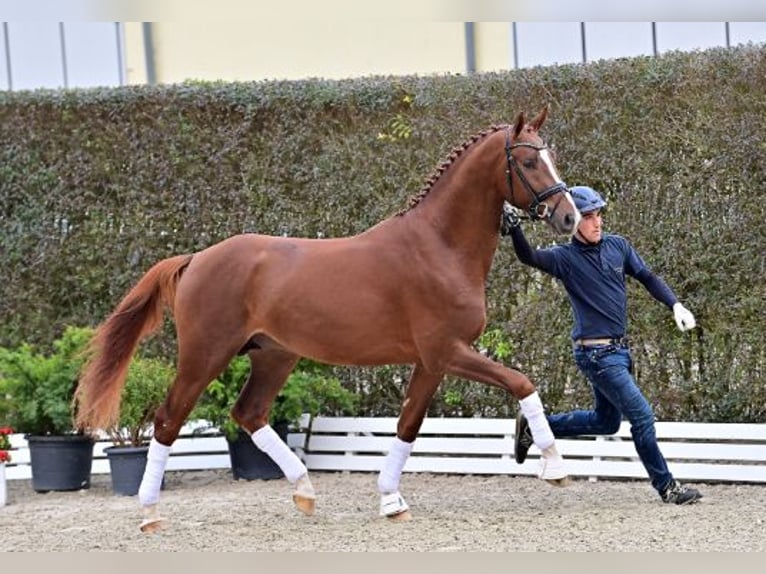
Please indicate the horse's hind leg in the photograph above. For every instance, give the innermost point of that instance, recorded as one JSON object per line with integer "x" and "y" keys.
{"x": 467, "y": 363}
{"x": 268, "y": 371}
{"x": 420, "y": 391}
{"x": 196, "y": 368}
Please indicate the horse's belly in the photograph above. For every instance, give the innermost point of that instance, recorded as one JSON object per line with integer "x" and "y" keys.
{"x": 345, "y": 336}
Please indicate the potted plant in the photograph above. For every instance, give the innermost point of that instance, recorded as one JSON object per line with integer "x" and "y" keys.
{"x": 309, "y": 389}
{"x": 36, "y": 399}
{"x": 145, "y": 390}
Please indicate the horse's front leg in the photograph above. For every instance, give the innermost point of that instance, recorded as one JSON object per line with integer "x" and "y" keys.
{"x": 420, "y": 390}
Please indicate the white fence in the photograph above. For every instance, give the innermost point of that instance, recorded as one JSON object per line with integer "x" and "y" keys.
{"x": 710, "y": 452}
{"x": 201, "y": 450}
{"x": 696, "y": 451}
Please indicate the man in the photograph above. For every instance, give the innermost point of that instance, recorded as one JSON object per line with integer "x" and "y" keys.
{"x": 592, "y": 269}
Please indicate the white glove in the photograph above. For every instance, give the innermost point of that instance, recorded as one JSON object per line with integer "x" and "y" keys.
{"x": 684, "y": 318}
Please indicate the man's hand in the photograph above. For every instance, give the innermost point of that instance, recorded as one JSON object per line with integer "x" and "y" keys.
{"x": 684, "y": 318}
{"x": 510, "y": 219}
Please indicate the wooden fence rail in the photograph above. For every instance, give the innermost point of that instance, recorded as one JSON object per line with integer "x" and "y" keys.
{"x": 712, "y": 452}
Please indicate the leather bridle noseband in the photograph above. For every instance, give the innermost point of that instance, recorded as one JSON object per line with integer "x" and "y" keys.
{"x": 537, "y": 209}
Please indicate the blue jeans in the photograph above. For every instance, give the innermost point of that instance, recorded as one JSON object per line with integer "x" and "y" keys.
{"x": 615, "y": 393}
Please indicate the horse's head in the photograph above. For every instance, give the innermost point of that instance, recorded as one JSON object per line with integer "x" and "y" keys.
{"x": 534, "y": 184}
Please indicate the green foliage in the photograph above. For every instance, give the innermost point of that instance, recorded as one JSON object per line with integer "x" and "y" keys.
{"x": 36, "y": 388}
{"x": 145, "y": 390}
{"x": 216, "y": 402}
{"x": 108, "y": 181}
{"x": 308, "y": 389}
{"x": 399, "y": 127}
{"x": 494, "y": 344}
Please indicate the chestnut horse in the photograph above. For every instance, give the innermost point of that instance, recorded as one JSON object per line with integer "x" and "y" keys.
{"x": 409, "y": 290}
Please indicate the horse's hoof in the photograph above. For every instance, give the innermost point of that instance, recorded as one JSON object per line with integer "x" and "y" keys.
{"x": 552, "y": 469}
{"x": 305, "y": 504}
{"x": 152, "y": 521}
{"x": 152, "y": 525}
{"x": 565, "y": 481}
{"x": 394, "y": 507}
{"x": 403, "y": 516}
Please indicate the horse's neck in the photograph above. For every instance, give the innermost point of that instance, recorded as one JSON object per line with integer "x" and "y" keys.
{"x": 463, "y": 210}
{"x": 465, "y": 201}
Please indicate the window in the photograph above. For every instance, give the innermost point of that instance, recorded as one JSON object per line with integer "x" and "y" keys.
{"x": 688, "y": 36}
{"x": 35, "y": 55}
{"x": 547, "y": 43}
{"x": 3, "y": 58}
{"x": 605, "y": 40}
{"x": 92, "y": 54}
{"x": 744, "y": 32}
{"x": 60, "y": 55}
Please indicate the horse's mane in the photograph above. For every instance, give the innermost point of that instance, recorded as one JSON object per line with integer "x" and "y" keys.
{"x": 444, "y": 166}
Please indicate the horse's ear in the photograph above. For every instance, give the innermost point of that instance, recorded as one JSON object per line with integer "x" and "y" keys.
{"x": 537, "y": 123}
{"x": 518, "y": 124}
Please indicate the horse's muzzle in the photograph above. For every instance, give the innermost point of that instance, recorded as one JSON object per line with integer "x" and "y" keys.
{"x": 563, "y": 218}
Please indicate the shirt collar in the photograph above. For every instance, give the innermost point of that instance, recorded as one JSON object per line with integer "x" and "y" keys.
{"x": 582, "y": 245}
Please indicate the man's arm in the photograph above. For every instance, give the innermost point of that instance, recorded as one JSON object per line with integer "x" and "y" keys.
{"x": 657, "y": 287}
{"x": 511, "y": 225}
{"x": 540, "y": 258}
{"x": 659, "y": 290}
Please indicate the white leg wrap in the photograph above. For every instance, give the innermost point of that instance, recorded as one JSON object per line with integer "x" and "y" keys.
{"x": 269, "y": 442}
{"x": 388, "y": 479}
{"x": 551, "y": 465}
{"x": 532, "y": 407}
{"x": 156, "y": 460}
{"x": 304, "y": 488}
{"x": 392, "y": 504}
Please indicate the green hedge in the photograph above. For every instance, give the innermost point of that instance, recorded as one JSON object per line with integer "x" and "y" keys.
{"x": 97, "y": 185}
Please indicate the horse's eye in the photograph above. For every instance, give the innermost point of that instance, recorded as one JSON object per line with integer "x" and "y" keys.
{"x": 529, "y": 163}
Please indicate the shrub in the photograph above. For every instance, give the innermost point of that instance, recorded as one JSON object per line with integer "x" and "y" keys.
{"x": 36, "y": 389}
{"x": 308, "y": 389}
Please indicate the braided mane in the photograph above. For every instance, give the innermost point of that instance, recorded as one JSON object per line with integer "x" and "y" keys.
{"x": 444, "y": 166}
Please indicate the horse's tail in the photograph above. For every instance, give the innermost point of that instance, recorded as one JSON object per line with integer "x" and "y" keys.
{"x": 111, "y": 349}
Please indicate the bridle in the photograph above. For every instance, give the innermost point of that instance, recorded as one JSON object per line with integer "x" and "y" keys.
{"x": 537, "y": 209}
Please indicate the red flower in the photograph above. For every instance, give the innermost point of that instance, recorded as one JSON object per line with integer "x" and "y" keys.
{"x": 5, "y": 443}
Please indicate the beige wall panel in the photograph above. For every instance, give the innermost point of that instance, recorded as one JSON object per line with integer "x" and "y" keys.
{"x": 494, "y": 46}
{"x": 135, "y": 59}
{"x": 302, "y": 49}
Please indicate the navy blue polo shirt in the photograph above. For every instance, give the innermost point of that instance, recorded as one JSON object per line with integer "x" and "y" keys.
{"x": 594, "y": 279}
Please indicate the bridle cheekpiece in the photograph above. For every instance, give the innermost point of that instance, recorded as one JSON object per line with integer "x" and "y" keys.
{"x": 537, "y": 209}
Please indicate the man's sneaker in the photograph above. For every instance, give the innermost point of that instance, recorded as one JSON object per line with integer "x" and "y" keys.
{"x": 523, "y": 439}
{"x": 676, "y": 493}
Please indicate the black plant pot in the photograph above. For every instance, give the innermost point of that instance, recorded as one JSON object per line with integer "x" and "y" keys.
{"x": 250, "y": 462}
{"x": 126, "y": 464}
{"x": 60, "y": 462}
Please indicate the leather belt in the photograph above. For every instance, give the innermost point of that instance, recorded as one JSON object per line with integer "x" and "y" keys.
{"x": 618, "y": 341}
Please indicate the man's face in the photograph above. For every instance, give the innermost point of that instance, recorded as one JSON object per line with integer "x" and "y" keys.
{"x": 589, "y": 229}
